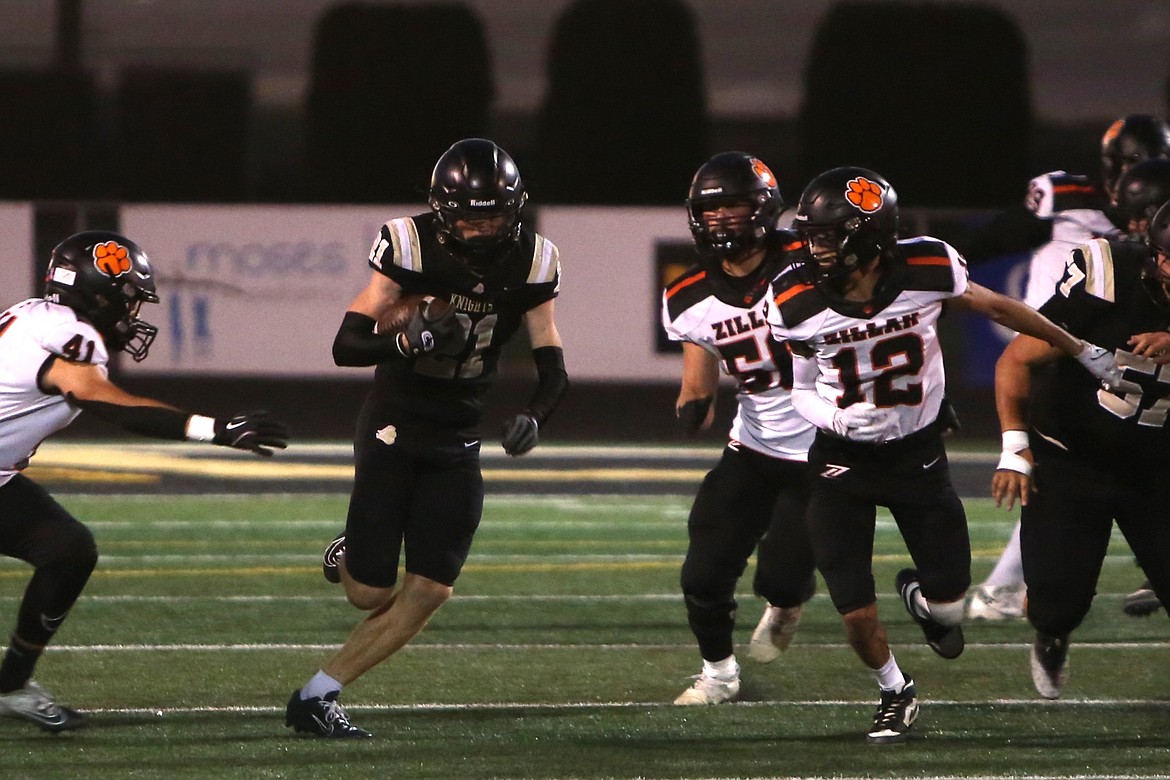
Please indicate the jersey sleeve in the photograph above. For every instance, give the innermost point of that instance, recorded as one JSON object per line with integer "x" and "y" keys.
{"x": 544, "y": 273}
{"x": 1087, "y": 285}
{"x": 397, "y": 251}
{"x": 75, "y": 340}
{"x": 1040, "y": 194}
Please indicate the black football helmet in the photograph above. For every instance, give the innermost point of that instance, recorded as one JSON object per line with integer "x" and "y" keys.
{"x": 1155, "y": 277}
{"x": 105, "y": 278}
{"x": 732, "y": 178}
{"x": 1129, "y": 141}
{"x": 473, "y": 180}
{"x": 1140, "y": 191}
{"x": 847, "y": 217}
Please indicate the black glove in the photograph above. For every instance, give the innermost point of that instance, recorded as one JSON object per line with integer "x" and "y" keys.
{"x": 424, "y": 334}
{"x": 520, "y": 434}
{"x": 692, "y": 414}
{"x": 255, "y": 431}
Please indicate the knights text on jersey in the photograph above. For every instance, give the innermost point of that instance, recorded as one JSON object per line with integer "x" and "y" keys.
{"x": 32, "y": 332}
{"x": 1103, "y": 300}
{"x": 887, "y": 354}
{"x": 732, "y": 327}
{"x": 447, "y": 386}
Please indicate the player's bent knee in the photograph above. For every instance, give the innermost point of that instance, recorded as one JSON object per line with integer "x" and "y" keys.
{"x": 365, "y": 597}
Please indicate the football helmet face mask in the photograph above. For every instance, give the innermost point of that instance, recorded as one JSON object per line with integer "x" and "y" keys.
{"x": 1129, "y": 141}
{"x": 1156, "y": 272}
{"x": 105, "y": 278}
{"x": 478, "y": 196}
{"x": 732, "y": 205}
{"x": 1140, "y": 191}
{"x": 847, "y": 217}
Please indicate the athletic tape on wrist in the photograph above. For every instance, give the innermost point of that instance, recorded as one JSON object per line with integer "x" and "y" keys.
{"x": 200, "y": 428}
{"x": 1015, "y": 441}
{"x": 1010, "y": 461}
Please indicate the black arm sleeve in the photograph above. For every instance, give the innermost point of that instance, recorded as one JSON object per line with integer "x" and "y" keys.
{"x": 552, "y": 381}
{"x": 356, "y": 344}
{"x": 156, "y": 422}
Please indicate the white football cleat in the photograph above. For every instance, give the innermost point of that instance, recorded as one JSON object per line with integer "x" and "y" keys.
{"x": 34, "y": 704}
{"x": 774, "y": 633}
{"x": 999, "y": 602}
{"x": 710, "y": 690}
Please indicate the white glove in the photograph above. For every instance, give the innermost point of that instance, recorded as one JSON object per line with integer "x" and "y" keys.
{"x": 865, "y": 422}
{"x": 1102, "y": 364}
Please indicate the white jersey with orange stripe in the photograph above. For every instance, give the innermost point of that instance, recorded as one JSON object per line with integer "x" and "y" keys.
{"x": 885, "y": 351}
{"x": 32, "y": 333}
{"x": 702, "y": 309}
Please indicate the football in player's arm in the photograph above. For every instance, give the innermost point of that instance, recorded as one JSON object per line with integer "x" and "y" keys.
{"x": 53, "y": 365}
{"x": 418, "y": 487}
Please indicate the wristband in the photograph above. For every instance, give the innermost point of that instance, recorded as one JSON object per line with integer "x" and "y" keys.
{"x": 1015, "y": 441}
{"x": 200, "y": 428}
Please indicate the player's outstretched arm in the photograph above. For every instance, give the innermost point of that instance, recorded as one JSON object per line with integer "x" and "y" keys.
{"x": 1022, "y": 318}
{"x": 86, "y": 386}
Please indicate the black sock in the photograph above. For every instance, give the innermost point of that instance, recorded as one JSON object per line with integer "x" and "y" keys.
{"x": 17, "y": 666}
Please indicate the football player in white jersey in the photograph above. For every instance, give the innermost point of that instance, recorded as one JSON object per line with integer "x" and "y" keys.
{"x": 53, "y": 365}
{"x": 1080, "y": 209}
{"x": 868, "y": 373}
{"x": 757, "y": 493}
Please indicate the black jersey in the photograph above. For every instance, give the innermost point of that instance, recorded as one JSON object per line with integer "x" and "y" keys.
{"x": 447, "y": 387}
{"x": 1102, "y": 299}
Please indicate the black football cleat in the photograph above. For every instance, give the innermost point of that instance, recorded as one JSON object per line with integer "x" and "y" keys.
{"x": 947, "y": 641}
{"x": 331, "y": 559}
{"x": 321, "y": 717}
{"x": 895, "y": 714}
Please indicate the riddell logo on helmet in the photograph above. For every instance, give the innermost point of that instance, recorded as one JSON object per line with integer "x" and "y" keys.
{"x": 864, "y": 194}
{"x": 474, "y": 202}
{"x": 111, "y": 258}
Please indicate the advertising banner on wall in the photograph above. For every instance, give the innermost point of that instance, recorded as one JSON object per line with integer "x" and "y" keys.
{"x": 16, "y": 271}
{"x": 252, "y": 290}
{"x": 613, "y": 263}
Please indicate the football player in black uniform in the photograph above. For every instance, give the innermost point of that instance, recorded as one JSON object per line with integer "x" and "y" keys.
{"x": 1077, "y": 209}
{"x": 1088, "y": 455}
{"x": 417, "y": 483}
{"x": 867, "y": 371}
{"x": 54, "y": 365}
{"x": 716, "y": 308}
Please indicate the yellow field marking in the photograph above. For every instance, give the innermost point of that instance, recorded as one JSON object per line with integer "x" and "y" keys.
{"x": 62, "y": 474}
{"x": 70, "y": 457}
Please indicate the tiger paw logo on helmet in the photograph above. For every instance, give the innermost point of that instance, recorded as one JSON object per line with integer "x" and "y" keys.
{"x": 111, "y": 258}
{"x": 763, "y": 171}
{"x": 864, "y": 194}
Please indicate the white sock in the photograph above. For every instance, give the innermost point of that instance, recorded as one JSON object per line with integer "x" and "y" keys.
{"x": 1009, "y": 569}
{"x": 890, "y": 677}
{"x": 320, "y": 685}
{"x": 727, "y": 669}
